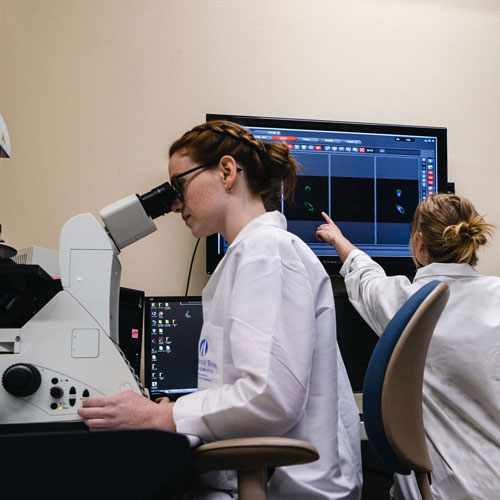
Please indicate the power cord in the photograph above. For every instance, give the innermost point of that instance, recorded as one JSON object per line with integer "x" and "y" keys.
{"x": 191, "y": 267}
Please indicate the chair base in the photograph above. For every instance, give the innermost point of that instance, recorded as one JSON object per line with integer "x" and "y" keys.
{"x": 252, "y": 484}
{"x": 423, "y": 485}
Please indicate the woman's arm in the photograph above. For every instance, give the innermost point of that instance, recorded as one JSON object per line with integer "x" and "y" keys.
{"x": 330, "y": 233}
{"x": 127, "y": 410}
{"x": 374, "y": 295}
{"x": 272, "y": 337}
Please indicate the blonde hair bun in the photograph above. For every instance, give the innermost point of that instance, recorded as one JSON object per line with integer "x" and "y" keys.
{"x": 451, "y": 229}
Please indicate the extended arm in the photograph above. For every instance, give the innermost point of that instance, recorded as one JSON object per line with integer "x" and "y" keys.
{"x": 374, "y": 295}
{"x": 330, "y": 233}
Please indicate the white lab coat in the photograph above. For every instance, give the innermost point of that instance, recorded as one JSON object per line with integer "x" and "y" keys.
{"x": 461, "y": 394}
{"x": 269, "y": 364}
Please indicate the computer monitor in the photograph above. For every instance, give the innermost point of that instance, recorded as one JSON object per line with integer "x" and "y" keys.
{"x": 368, "y": 177}
{"x": 172, "y": 327}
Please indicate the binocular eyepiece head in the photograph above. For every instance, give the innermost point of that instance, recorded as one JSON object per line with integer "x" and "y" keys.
{"x": 158, "y": 201}
{"x": 131, "y": 218}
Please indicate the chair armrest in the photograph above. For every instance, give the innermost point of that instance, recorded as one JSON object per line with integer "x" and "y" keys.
{"x": 252, "y": 453}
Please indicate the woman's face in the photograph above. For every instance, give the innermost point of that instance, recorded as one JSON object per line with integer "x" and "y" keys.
{"x": 201, "y": 208}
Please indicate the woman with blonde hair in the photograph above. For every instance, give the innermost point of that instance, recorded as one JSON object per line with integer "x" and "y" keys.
{"x": 269, "y": 361}
{"x": 461, "y": 394}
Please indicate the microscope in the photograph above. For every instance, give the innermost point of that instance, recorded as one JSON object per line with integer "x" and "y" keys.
{"x": 59, "y": 337}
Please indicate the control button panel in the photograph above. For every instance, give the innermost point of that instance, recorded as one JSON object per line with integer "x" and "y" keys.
{"x": 59, "y": 394}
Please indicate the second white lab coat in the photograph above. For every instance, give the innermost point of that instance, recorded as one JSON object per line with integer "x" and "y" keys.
{"x": 269, "y": 364}
{"x": 461, "y": 394}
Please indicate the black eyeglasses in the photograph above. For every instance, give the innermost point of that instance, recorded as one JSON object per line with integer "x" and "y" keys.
{"x": 179, "y": 186}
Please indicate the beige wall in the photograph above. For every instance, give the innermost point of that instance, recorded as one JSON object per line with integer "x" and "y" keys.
{"x": 94, "y": 91}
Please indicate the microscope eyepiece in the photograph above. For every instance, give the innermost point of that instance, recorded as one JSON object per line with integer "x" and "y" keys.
{"x": 131, "y": 218}
{"x": 158, "y": 201}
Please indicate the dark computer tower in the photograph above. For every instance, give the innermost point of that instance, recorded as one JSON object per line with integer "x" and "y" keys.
{"x": 131, "y": 314}
{"x": 355, "y": 338}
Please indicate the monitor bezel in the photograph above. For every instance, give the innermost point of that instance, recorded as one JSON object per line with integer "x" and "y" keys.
{"x": 332, "y": 265}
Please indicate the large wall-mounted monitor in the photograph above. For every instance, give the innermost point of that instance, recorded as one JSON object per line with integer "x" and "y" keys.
{"x": 368, "y": 177}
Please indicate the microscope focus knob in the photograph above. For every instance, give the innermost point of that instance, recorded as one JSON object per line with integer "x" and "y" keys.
{"x": 56, "y": 392}
{"x": 21, "y": 379}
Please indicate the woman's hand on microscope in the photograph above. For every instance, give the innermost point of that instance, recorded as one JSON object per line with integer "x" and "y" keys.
{"x": 127, "y": 410}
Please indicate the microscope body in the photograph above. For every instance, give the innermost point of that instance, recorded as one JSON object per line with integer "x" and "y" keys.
{"x": 68, "y": 350}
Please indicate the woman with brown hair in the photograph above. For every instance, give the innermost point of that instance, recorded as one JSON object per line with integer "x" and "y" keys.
{"x": 461, "y": 395}
{"x": 269, "y": 364}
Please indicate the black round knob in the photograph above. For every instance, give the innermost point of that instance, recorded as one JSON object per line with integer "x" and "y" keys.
{"x": 21, "y": 379}
{"x": 56, "y": 392}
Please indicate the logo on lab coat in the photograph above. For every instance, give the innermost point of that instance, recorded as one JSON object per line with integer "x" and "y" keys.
{"x": 203, "y": 347}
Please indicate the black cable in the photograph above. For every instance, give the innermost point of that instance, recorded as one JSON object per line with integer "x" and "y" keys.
{"x": 191, "y": 267}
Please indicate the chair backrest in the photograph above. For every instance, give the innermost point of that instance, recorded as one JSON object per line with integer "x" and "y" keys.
{"x": 392, "y": 391}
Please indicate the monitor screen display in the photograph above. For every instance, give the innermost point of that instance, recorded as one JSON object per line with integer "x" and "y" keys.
{"x": 172, "y": 327}
{"x": 368, "y": 178}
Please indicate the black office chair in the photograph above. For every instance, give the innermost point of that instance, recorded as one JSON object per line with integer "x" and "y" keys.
{"x": 392, "y": 391}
